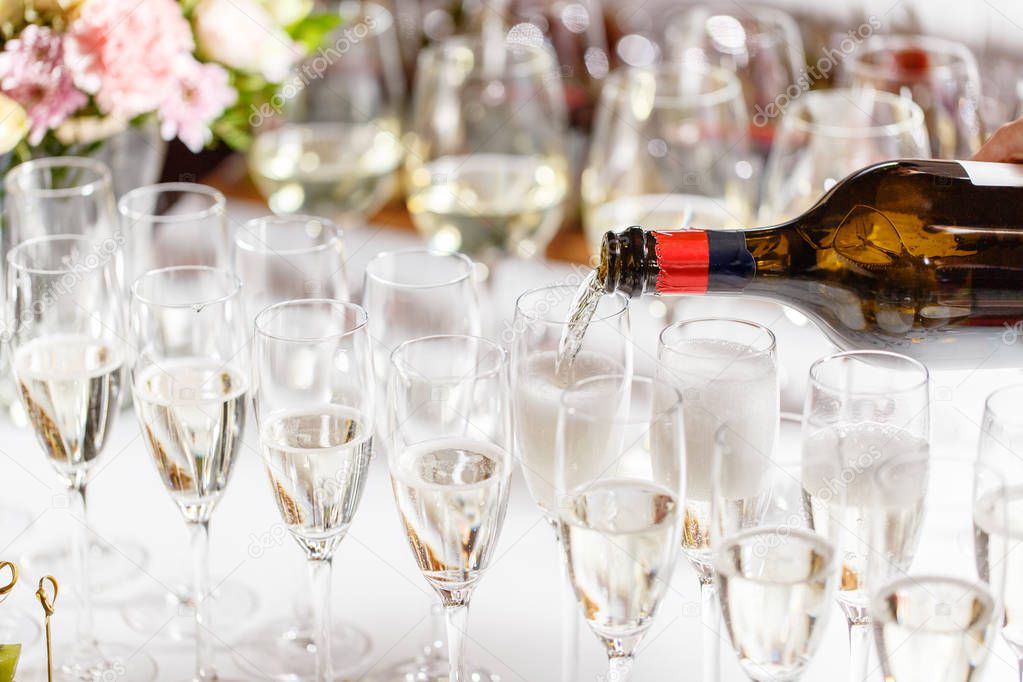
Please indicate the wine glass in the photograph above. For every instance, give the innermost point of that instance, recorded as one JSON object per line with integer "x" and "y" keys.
{"x": 1000, "y": 447}
{"x": 65, "y": 327}
{"x": 827, "y": 134}
{"x": 449, "y": 421}
{"x": 670, "y": 148}
{"x": 761, "y": 45}
{"x": 313, "y": 397}
{"x": 775, "y": 525}
{"x": 334, "y": 143}
{"x": 940, "y": 75}
{"x": 935, "y": 611}
{"x": 620, "y": 479}
{"x": 190, "y": 379}
{"x": 869, "y": 407}
{"x": 727, "y": 372}
{"x": 486, "y": 171}
{"x": 540, "y": 320}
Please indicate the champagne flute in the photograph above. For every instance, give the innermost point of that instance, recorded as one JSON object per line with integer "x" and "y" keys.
{"x": 941, "y": 76}
{"x": 190, "y": 380}
{"x": 1000, "y": 447}
{"x": 334, "y": 148}
{"x": 620, "y": 475}
{"x": 65, "y": 327}
{"x": 869, "y": 407}
{"x": 450, "y": 464}
{"x": 935, "y": 612}
{"x": 775, "y": 522}
{"x": 540, "y": 319}
{"x": 486, "y": 170}
{"x": 727, "y": 372}
{"x": 670, "y": 148}
{"x": 827, "y": 134}
{"x": 313, "y": 394}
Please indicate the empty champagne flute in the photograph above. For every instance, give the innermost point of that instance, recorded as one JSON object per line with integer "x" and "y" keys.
{"x": 335, "y": 147}
{"x": 313, "y": 393}
{"x": 774, "y": 531}
{"x": 620, "y": 483}
{"x": 540, "y": 319}
{"x": 868, "y": 407}
{"x": 670, "y": 148}
{"x": 935, "y": 612}
{"x": 65, "y": 326}
{"x": 941, "y": 76}
{"x": 486, "y": 170}
{"x": 190, "y": 379}
{"x": 727, "y": 372}
{"x": 1000, "y": 448}
{"x": 450, "y": 461}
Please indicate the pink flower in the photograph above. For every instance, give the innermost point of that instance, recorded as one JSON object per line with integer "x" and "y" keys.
{"x": 32, "y": 73}
{"x": 198, "y": 98}
{"x": 124, "y": 52}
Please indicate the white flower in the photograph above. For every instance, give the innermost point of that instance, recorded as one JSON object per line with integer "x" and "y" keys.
{"x": 243, "y": 35}
{"x": 89, "y": 129}
{"x": 287, "y": 12}
{"x": 14, "y": 124}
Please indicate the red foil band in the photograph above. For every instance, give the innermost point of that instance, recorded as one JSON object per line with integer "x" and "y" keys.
{"x": 683, "y": 258}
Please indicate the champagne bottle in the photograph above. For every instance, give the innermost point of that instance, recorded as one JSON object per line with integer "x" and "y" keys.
{"x": 922, "y": 257}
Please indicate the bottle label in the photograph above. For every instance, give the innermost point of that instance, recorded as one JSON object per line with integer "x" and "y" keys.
{"x": 987, "y": 174}
{"x": 683, "y": 259}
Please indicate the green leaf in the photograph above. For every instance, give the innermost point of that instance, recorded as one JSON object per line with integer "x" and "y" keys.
{"x": 311, "y": 31}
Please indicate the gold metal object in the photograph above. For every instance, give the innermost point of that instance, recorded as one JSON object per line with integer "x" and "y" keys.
{"x": 47, "y": 603}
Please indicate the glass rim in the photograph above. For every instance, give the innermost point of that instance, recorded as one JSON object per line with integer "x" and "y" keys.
{"x": 728, "y": 88}
{"x": 736, "y": 321}
{"x": 217, "y": 208}
{"x": 914, "y": 120}
{"x": 291, "y": 220}
{"x": 962, "y": 57}
{"x": 22, "y": 246}
{"x": 817, "y": 382}
{"x": 565, "y": 406}
{"x": 1001, "y": 414}
{"x": 541, "y": 59}
{"x": 433, "y": 253}
{"x": 404, "y": 369}
{"x": 362, "y": 317}
{"x": 103, "y": 178}
{"x": 235, "y": 285}
{"x": 773, "y": 21}
{"x": 529, "y": 315}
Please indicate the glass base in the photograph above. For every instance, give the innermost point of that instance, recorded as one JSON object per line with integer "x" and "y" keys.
{"x": 431, "y": 670}
{"x": 112, "y": 565}
{"x": 233, "y": 605}
{"x": 288, "y": 655}
{"x": 104, "y": 662}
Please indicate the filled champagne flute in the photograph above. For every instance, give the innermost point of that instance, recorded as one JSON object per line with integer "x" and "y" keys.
{"x": 727, "y": 372}
{"x": 313, "y": 397}
{"x": 776, "y": 518}
{"x": 450, "y": 461}
{"x": 1001, "y": 449}
{"x": 65, "y": 329}
{"x": 540, "y": 319}
{"x": 486, "y": 171}
{"x": 620, "y": 473}
{"x": 935, "y": 613}
{"x": 334, "y": 147}
{"x": 190, "y": 379}
{"x": 869, "y": 407}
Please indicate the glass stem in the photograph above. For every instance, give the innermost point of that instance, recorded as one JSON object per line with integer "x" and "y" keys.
{"x": 618, "y": 668}
{"x": 200, "y": 540}
{"x": 569, "y": 620}
{"x": 320, "y": 574}
{"x": 81, "y": 537}
{"x": 711, "y": 636}
{"x": 1019, "y": 667}
{"x": 456, "y": 617}
{"x": 859, "y": 651}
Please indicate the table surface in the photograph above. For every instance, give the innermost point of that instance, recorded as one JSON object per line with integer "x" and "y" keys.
{"x": 514, "y": 625}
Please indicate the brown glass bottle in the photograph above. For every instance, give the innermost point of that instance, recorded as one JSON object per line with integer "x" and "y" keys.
{"x": 921, "y": 257}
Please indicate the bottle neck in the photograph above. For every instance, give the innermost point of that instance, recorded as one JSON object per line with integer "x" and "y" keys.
{"x": 637, "y": 262}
